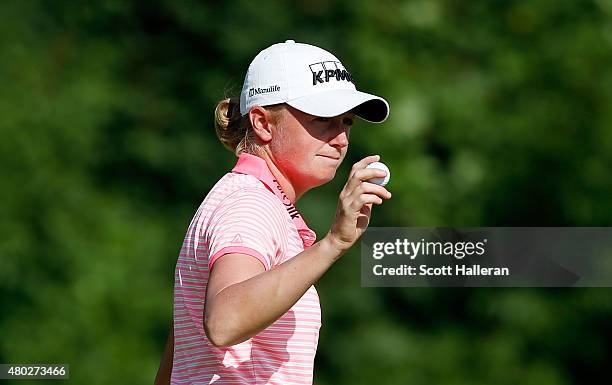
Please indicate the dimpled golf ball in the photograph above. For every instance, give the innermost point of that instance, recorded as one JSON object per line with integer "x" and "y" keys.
{"x": 380, "y": 166}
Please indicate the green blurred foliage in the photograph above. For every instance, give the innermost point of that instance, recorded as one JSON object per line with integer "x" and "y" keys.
{"x": 500, "y": 115}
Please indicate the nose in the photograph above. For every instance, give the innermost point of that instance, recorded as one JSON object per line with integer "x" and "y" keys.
{"x": 340, "y": 138}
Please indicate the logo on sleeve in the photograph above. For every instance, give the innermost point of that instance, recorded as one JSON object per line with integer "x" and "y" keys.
{"x": 325, "y": 71}
{"x": 237, "y": 239}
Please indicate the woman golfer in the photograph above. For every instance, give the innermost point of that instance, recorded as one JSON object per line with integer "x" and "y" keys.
{"x": 245, "y": 308}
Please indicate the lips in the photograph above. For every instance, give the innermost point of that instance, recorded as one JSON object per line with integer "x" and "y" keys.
{"x": 333, "y": 157}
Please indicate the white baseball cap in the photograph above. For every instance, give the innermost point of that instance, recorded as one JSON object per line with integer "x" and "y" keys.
{"x": 309, "y": 79}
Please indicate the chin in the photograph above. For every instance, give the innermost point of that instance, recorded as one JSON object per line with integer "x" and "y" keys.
{"x": 326, "y": 178}
{"x": 318, "y": 175}
{"x": 318, "y": 180}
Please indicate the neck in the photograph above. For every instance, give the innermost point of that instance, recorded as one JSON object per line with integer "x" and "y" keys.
{"x": 290, "y": 191}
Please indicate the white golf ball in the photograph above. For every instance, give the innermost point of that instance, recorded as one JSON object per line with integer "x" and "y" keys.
{"x": 380, "y": 166}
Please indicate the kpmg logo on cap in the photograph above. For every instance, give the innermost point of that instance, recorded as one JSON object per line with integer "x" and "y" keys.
{"x": 257, "y": 91}
{"x": 325, "y": 71}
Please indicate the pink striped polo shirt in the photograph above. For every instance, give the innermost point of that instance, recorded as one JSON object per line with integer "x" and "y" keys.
{"x": 245, "y": 212}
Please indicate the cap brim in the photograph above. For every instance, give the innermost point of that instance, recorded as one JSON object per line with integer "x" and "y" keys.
{"x": 336, "y": 102}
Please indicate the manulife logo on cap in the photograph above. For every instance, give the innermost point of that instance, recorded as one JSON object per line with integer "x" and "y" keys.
{"x": 258, "y": 90}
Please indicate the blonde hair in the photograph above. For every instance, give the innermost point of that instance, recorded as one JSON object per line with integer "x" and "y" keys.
{"x": 234, "y": 130}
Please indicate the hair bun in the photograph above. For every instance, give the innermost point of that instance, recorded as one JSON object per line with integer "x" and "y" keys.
{"x": 227, "y": 123}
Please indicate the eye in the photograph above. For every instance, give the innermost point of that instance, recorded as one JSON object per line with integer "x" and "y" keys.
{"x": 347, "y": 121}
{"x": 321, "y": 119}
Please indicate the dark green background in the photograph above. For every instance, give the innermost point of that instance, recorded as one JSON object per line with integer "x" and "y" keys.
{"x": 500, "y": 115}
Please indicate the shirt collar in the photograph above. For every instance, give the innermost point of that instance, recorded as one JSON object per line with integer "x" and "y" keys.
{"x": 253, "y": 165}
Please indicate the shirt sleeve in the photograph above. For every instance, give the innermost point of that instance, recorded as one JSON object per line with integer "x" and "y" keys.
{"x": 250, "y": 221}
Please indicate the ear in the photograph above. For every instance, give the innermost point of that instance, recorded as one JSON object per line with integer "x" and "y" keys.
{"x": 261, "y": 122}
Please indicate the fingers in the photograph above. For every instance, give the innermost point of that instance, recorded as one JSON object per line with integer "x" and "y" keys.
{"x": 359, "y": 172}
{"x": 356, "y": 200}
{"x": 370, "y": 188}
{"x": 357, "y": 192}
{"x": 365, "y": 199}
{"x": 364, "y": 162}
{"x": 356, "y": 205}
{"x": 367, "y": 193}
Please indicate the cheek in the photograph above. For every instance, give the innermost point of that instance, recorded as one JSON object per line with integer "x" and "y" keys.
{"x": 290, "y": 154}
{"x": 343, "y": 155}
{"x": 282, "y": 146}
{"x": 304, "y": 149}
